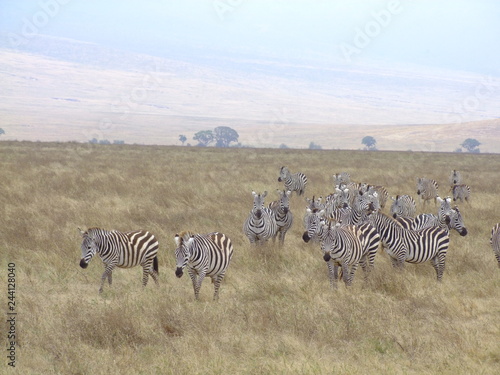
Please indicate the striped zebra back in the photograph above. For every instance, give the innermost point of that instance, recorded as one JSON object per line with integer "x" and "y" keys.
{"x": 495, "y": 242}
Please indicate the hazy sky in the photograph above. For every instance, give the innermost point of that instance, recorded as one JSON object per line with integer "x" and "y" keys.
{"x": 461, "y": 34}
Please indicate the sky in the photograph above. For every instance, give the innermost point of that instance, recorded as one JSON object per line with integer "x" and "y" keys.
{"x": 460, "y": 34}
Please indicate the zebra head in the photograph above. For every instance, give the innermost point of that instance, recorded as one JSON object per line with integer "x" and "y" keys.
{"x": 284, "y": 174}
{"x": 313, "y": 222}
{"x": 183, "y": 241}
{"x": 454, "y": 221}
{"x": 258, "y": 204}
{"x": 284, "y": 201}
{"x": 89, "y": 247}
{"x": 330, "y": 240}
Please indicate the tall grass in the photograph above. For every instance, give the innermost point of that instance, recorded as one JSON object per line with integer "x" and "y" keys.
{"x": 277, "y": 313}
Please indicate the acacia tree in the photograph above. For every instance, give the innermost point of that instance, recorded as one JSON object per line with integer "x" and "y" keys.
{"x": 369, "y": 142}
{"x": 2, "y": 131}
{"x": 204, "y": 137}
{"x": 471, "y": 145}
{"x": 224, "y": 135}
{"x": 182, "y": 138}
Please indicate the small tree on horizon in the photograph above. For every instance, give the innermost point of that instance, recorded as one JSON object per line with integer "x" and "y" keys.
{"x": 2, "y": 131}
{"x": 204, "y": 137}
{"x": 369, "y": 142}
{"x": 471, "y": 145}
{"x": 224, "y": 135}
{"x": 182, "y": 138}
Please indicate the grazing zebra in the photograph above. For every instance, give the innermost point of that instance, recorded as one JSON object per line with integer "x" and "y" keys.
{"x": 461, "y": 192}
{"x": 294, "y": 182}
{"x": 260, "y": 224}
{"x": 404, "y": 245}
{"x": 455, "y": 178}
{"x": 282, "y": 214}
{"x": 340, "y": 179}
{"x": 427, "y": 189}
{"x": 204, "y": 255}
{"x": 495, "y": 241}
{"x": 403, "y": 206}
{"x": 348, "y": 245}
{"x": 121, "y": 249}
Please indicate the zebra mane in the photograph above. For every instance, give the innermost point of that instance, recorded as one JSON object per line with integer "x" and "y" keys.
{"x": 183, "y": 237}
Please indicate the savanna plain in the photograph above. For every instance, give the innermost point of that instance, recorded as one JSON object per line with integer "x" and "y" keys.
{"x": 277, "y": 313}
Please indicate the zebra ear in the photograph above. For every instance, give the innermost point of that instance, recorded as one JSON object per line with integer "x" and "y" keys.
{"x": 82, "y": 232}
{"x": 264, "y": 194}
{"x": 190, "y": 241}
{"x": 178, "y": 240}
{"x": 254, "y": 193}
{"x": 288, "y": 192}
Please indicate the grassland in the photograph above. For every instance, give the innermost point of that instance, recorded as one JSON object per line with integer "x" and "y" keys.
{"x": 276, "y": 313}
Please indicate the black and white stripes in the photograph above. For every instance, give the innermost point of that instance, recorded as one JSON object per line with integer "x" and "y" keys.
{"x": 294, "y": 182}
{"x": 203, "y": 255}
{"x": 260, "y": 225}
{"x": 121, "y": 249}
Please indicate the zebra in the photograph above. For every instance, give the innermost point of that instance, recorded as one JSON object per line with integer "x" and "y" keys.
{"x": 121, "y": 249}
{"x": 340, "y": 179}
{"x": 313, "y": 224}
{"x": 495, "y": 241}
{"x": 357, "y": 213}
{"x": 403, "y": 245}
{"x": 282, "y": 214}
{"x": 461, "y": 192}
{"x": 294, "y": 182}
{"x": 381, "y": 191}
{"x": 204, "y": 255}
{"x": 427, "y": 189}
{"x": 455, "y": 178}
{"x": 315, "y": 203}
{"x": 451, "y": 219}
{"x": 348, "y": 245}
{"x": 260, "y": 225}
{"x": 403, "y": 206}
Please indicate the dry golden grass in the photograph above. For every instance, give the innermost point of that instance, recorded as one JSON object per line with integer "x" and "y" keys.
{"x": 276, "y": 313}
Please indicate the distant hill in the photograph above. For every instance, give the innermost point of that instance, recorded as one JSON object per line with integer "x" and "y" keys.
{"x": 61, "y": 90}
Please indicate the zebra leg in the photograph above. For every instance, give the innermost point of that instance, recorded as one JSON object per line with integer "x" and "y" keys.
{"x": 217, "y": 280}
{"x": 346, "y": 274}
{"x": 438, "y": 264}
{"x": 110, "y": 278}
{"x": 333, "y": 274}
{"x": 106, "y": 275}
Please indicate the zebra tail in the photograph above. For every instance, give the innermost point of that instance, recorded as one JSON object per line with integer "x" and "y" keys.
{"x": 155, "y": 264}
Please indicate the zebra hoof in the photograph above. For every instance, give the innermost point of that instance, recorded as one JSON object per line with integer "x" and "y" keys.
{"x": 83, "y": 264}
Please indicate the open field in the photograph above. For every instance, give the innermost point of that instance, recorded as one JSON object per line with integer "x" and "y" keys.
{"x": 276, "y": 313}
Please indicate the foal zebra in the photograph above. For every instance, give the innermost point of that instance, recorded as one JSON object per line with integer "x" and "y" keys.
{"x": 427, "y": 189}
{"x": 403, "y": 206}
{"x": 495, "y": 241}
{"x": 294, "y": 182}
{"x": 404, "y": 245}
{"x": 461, "y": 192}
{"x": 121, "y": 249}
{"x": 204, "y": 255}
{"x": 282, "y": 214}
{"x": 260, "y": 225}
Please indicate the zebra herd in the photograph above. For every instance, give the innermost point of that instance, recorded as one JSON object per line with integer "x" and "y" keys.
{"x": 348, "y": 224}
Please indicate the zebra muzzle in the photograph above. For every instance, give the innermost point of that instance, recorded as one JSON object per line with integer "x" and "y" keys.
{"x": 327, "y": 257}
{"x": 463, "y": 232}
{"x": 306, "y": 237}
{"x": 178, "y": 272}
{"x": 83, "y": 264}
